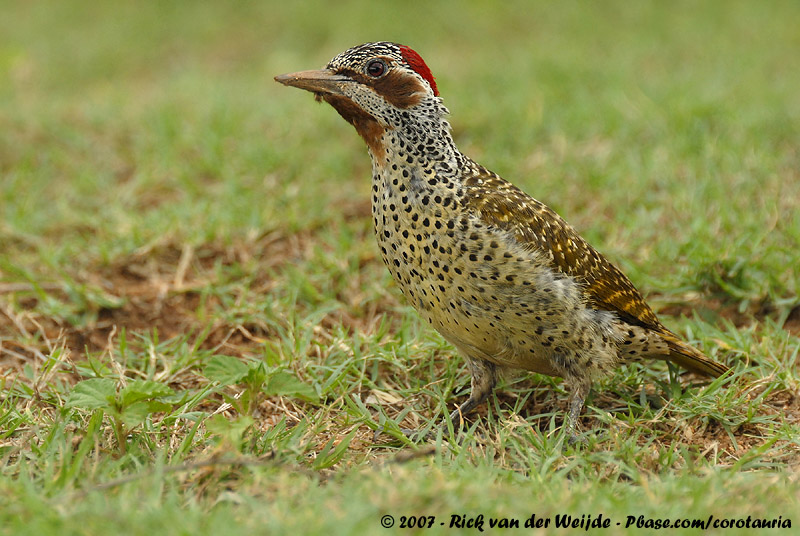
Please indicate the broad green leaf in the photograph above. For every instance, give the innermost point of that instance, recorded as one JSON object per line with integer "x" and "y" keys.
{"x": 256, "y": 376}
{"x": 232, "y": 430}
{"x": 284, "y": 383}
{"x": 143, "y": 390}
{"x": 94, "y": 393}
{"x": 135, "y": 414}
{"x": 225, "y": 369}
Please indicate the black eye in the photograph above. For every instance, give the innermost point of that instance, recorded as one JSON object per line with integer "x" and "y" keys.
{"x": 376, "y": 68}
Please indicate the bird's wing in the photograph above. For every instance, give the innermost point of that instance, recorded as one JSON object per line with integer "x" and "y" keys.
{"x": 504, "y": 206}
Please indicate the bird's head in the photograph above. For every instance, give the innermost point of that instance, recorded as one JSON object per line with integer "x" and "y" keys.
{"x": 375, "y": 87}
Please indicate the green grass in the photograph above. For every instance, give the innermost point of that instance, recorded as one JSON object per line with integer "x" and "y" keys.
{"x": 196, "y": 333}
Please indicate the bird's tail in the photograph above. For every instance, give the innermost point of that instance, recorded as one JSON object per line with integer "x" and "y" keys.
{"x": 691, "y": 358}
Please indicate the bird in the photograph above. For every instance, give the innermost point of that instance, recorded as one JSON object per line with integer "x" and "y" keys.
{"x": 501, "y": 276}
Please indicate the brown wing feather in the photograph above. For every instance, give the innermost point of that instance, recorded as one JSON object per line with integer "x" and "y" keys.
{"x": 506, "y": 207}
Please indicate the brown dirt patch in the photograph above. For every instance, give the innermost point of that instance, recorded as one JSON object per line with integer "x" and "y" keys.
{"x": 169, "y": 288}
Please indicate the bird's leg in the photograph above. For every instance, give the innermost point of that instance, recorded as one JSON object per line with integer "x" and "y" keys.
{"x": 484, "y": 378}
{"x": 580, "y": 389}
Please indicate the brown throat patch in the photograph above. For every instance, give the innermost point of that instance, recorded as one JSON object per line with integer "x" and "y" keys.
{"x": 366, "y": 125}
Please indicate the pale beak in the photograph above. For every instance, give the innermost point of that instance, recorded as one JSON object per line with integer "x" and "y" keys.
{"x": 322, "y": 81}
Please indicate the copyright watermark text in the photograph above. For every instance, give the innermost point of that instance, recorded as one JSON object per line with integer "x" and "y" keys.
{"x": 584, "y": 522}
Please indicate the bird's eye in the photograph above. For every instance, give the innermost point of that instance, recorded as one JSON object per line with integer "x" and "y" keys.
{"x": 376, "y": 68}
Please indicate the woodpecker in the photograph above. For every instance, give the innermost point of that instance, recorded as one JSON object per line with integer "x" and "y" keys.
{"x": 500, "y": 275}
